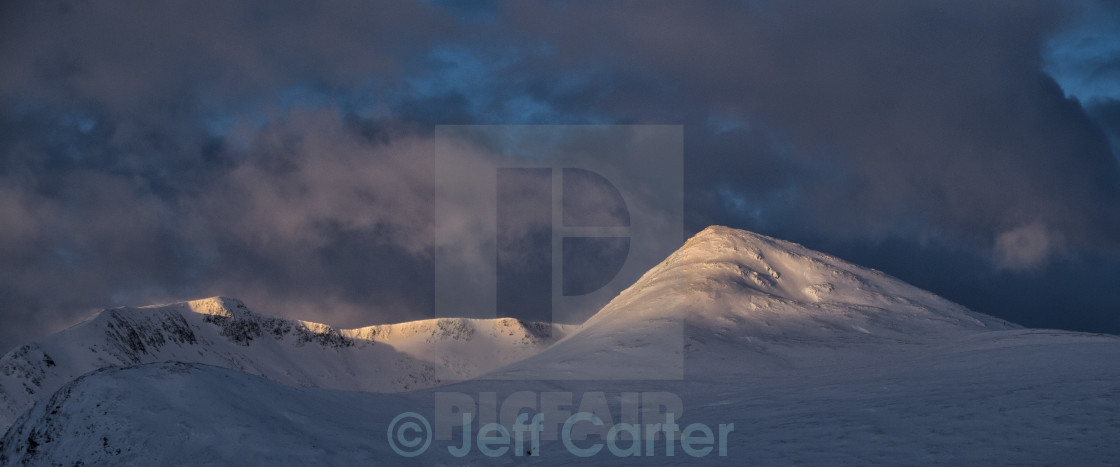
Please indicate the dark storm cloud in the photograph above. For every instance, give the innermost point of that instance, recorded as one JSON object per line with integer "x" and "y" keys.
{"x": 896, "y": 110}
{"x": 1085, "y": 60}
{"x": 1106, "y": 112}
{"x": 281, "y": 151}
{"x": 133, "y": 55}
{"x": 158, "y": 152}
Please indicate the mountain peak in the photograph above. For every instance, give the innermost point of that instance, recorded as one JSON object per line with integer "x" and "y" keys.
{"x": 718, "y": 242}
{"x": 216, "y": 306}
{"x": 767, "y": 301}
{"x": 222, "y": 331}
{"x": 733, "y": 281}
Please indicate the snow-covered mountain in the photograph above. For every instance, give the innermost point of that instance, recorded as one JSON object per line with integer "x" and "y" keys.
{"x": 813, "y": 359}
{"x": 224, "y": 332}
{"x": 756, "y": 300}
{"x": 1024, "y": 398}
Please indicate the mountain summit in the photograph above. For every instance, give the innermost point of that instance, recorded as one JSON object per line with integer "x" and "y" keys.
{"x": 725, "y": 276}
{"x": 769, "y": 299}
{"x": 814, "y": 359}
{"x": 772, "y": 302}
{"x": 223, "y": 332}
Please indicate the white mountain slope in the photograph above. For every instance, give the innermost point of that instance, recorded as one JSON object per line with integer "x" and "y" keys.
{"x": 1035, "y": 399}
{"x": 751, "y": 298}
{"x": 223, "y": 332}
{"x": 814, "y": 360}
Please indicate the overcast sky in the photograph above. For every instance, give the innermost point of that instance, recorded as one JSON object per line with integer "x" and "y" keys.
{"x": 281, "y": 151}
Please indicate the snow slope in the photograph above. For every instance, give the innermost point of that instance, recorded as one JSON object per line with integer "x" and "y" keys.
{"x": 224, "y": 332}
{"x": 764, "y": 302}
{"x": 1020, "y": 398}
{"x": 813, "y": 359}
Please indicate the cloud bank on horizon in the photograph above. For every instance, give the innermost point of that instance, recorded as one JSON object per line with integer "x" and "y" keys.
{"x": 281, "y": 152}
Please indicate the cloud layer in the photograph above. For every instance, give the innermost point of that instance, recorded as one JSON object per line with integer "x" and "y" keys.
{"x": 282, "y": 152}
